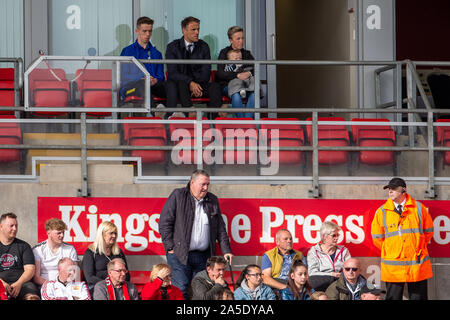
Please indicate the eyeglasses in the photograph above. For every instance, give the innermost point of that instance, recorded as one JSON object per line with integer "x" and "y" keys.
{"x": 120, "y": 270}
{"x": 255, "y": 275}
{"x": 353, "y": 269}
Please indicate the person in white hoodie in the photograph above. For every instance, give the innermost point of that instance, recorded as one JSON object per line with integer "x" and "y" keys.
{"x": 326, "y": 258}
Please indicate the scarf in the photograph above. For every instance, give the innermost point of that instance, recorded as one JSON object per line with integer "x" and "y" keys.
{"x": 112, "y": 294}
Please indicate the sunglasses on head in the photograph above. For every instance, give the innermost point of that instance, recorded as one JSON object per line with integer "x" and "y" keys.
{"x": 353, "y": 269}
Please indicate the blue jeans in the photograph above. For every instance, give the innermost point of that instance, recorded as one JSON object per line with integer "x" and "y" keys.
{"x": 236, "y": 102}
{"x": 183, "y": 274}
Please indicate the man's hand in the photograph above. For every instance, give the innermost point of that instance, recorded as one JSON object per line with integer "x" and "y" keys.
{"x": 170, "y": 251}
{"x": 228, "y": 257}
{"x": 219, "y": 280}
{"x": 196, "y": 89}
{"x": 14, "y": 289}
{"x": 244, "y": 75}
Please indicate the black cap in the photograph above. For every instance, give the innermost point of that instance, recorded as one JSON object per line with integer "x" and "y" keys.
{"x": 395, "y": 182}
{"x": 372, "y": 289}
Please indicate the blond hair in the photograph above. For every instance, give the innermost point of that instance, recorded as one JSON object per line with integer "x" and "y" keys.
{"x": 157, "y": 268}
{"x": 99, "y": 243}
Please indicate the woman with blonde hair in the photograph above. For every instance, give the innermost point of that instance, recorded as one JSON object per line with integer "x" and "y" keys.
{"x": 98, "y": 254}
{"x": 160, "y": 286}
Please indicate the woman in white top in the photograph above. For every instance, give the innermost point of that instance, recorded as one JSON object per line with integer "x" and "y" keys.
{"x": 326, "y": 259}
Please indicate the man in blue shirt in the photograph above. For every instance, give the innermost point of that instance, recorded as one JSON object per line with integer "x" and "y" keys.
{"x": 132, "y": 78}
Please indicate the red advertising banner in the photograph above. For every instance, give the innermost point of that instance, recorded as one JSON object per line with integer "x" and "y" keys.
{"x": 251, "y": 223}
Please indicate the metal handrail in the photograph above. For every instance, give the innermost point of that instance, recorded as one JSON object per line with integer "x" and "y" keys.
{"x": 387, "y": 65}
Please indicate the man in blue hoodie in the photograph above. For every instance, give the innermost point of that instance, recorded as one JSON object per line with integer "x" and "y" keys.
{"x": 132, "y": 78}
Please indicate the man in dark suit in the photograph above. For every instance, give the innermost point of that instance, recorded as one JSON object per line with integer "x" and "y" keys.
{"x": 190, "y": 80}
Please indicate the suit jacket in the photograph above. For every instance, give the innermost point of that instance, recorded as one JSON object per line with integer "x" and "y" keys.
{"x": 177, "y": 218}
{"x": 179, "y": 72}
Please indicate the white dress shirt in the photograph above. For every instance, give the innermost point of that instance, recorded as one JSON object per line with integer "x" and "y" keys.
{"x": 200, "y": 228}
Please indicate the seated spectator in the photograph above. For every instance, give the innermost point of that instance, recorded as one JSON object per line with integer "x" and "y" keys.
{"x": 16, "y": 260}
{"x": 190, "y": 80}
{"x": 100, "y": 253}
{"x": 160, "y": 286}
{"x": 326, "y": 259}
{"x": 224, "y": 294}
{"x": 298, "y": 287}
{"x": 133, "y": 81}
{"x": 208, "y": 282}
{"x": 65, "y": 286}
{"x": 48, "y": 253}
{"x": 115, "y": 287}
{"x": 225, "y": 75}
{"x": 349, "y": 284}
{"x": 319, "y": 295}
{"x": 276, "y": 262}
{"x": 31, "y": 296}
{"x": 371, "y": 292}
{"x": 250, "y": 286}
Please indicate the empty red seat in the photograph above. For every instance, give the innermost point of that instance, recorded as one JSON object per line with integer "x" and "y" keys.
{"x": 146, "y": 134}
{"x": 289, "y": 135}
{"x": 49, "y": 89}
{"x": 10, "y": 134}
{"x": 330, "y": 136}
{"x": 443, "y": 138}
{"x": 187, "y": 133}
{"x": 238, "y": 135}
{"x": 374, "y": 136}
{"x": 7, "y": 89}
{"x": 95, "y": 86}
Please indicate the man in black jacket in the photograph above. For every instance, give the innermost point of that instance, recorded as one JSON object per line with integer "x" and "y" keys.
{"x": 190, "y": 224}
{"x": 186, "y": 80}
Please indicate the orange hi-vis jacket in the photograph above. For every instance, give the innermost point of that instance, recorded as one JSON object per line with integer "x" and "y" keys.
{"x": 403, "y": 241}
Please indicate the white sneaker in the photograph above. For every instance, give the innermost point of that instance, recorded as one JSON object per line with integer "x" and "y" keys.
{"x": 178, "y": 114}
{"x": 243, "y": 93}
{"x": 160, "y": 114}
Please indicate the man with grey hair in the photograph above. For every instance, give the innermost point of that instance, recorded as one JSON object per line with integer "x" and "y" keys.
{"x": 115, "y": 287}
{"x": 276, "y": 262}
{"x": 190, "y": 225}
{"x": 348, "y": 286}
{"x": 66, "y": 286}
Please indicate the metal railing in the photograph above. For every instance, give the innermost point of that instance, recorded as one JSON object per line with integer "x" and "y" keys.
{"x": 314, "y": 179}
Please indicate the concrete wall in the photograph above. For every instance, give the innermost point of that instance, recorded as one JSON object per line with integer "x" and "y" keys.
{"x": 63, "y": 180}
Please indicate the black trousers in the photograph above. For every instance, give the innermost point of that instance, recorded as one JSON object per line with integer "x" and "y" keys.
{"x": 416, "y": 290}
{"x": 180, "y": 90}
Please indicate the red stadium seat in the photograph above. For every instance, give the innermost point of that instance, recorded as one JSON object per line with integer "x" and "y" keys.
{"x": 95, "y": 89}
{"x": 188, "y": 136}
{"x": 7, "y": 89}
{"x": 290, "y": 135}
{"x": 140, "y": 279}
{"x": 10, "y": 134}
{"x": 443, "y": 138}
{"x": 374, "y": 136}
{"x": 238, "y": 135}
{"x": 330, "y": 135}
{"x": 146, "y": 134}
{"x": 47, "y": 90}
